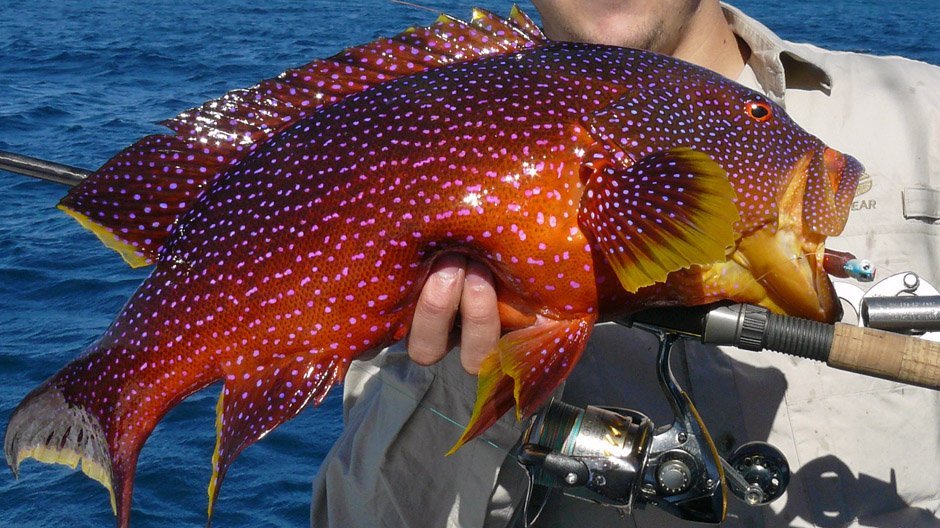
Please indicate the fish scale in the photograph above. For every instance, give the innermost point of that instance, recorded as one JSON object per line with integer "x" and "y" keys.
{"x": 293, "y": 224}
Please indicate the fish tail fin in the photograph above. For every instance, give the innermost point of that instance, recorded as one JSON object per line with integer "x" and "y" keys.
{"x": 96, "y": 413}
{"x": 47, "y": 427}
{"x": 257, "y": 399}
{"x": 526, "y": 367}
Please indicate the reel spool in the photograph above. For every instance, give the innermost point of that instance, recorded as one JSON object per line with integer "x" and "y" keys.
{"x": 596, "y": 453}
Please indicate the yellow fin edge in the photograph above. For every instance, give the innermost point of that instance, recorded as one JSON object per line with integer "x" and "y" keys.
{"x": 491, "y": 372}
{"x": 70, "y": 458}
{"x": 214, "y": 481}
{"x": 712, "y": 226}
{"x": 129, "y": 253}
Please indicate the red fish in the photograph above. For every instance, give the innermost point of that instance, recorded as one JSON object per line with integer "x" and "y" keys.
{"x": 291, "y": 226}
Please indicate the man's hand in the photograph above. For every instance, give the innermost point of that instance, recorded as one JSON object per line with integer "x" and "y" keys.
{"x": 454, "y": 285}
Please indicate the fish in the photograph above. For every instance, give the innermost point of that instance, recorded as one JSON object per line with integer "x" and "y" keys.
{"x": 290, "y": 227}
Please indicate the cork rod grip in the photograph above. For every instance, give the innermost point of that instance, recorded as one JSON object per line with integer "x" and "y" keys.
{"x": 886, "y": 355}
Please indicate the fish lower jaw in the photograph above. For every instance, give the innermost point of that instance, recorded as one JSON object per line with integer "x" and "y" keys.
{"x": 783, "y": 272}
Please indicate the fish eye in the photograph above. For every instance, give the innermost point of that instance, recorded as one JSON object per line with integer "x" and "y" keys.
{"x": 759, "y": 111}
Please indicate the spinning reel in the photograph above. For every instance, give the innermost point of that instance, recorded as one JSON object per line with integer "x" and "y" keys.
{"x": 620, "y": 458}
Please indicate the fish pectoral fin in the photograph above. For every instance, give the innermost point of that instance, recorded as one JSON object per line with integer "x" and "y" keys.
{"x": 256, "y": 399}
{"x": 525, "y": 367}
{"x": 666, "y": 212}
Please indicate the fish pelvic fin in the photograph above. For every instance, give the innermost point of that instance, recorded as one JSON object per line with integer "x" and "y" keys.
{"x": 258, "y": 398}
{"x": 524, "y": 369}
{"x": 135, "y": 200}
{"x": 666, "y": 212}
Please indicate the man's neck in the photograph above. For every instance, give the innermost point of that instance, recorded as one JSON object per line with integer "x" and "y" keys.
{"x": 709, "y": 42}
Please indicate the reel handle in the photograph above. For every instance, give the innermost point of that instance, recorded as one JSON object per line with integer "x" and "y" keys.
{"x": 885, "y": 355}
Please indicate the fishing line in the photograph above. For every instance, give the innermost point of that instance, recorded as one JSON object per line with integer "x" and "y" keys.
{"x": 802, "y": 256}
{"x": 415, "y": 6}
{"x": 422, "y": 405}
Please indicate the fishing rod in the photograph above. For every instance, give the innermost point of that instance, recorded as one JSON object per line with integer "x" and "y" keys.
{"x": 42, "y": 169}
{"x": 619, "y": 458}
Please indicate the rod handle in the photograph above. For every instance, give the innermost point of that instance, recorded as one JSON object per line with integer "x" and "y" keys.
{"x": 886, "y": 355}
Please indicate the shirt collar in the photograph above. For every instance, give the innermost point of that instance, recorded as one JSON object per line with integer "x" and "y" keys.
{"x": 777, "y": 64}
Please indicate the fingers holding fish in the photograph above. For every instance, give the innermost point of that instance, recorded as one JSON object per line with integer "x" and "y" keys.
{"x": 455, "y": 285}
{"x": 479, "y": 317}
{"x": 436, "y": 310}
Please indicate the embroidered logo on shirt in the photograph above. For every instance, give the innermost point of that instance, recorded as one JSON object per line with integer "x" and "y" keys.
{"x": 864, "y": 185}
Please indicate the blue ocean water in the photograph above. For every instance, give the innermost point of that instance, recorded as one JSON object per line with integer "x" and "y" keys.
{"x": 81, "y": 80}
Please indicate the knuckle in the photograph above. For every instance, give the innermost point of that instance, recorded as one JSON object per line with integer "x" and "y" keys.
{"x": 481, "y": 314}
{"x": 437, "y": 304}
{"x": 478, "y": 306}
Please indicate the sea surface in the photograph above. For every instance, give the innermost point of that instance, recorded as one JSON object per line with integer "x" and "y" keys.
{"x": 81, "y": 80}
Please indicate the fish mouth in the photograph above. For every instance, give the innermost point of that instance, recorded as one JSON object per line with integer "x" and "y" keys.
{"x": 783, "y": 262}
{"x": 788, "y": 274}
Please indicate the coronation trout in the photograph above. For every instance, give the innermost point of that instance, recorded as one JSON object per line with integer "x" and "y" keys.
{"x": 291, "y": 226}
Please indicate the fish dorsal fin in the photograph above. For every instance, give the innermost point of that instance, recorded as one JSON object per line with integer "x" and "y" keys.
{"x": 134, "y": 200}
{"x": 666, "y": 212}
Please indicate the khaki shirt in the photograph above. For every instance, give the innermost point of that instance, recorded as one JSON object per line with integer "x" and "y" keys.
{"x": 863, "y": 451}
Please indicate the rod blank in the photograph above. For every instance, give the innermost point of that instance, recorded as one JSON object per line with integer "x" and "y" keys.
{"x": 42, "y": 169}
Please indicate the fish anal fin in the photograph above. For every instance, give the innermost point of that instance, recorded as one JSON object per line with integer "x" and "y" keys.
{"x": 524, "y": 369}
{"x": 667, "y": 211}
{"x": 254, "y": 401}
{"x": 139, "y": 195}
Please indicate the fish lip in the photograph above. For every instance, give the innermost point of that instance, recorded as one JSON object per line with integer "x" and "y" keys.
{"x": 847, "y": 167}
{"x": 830, "y": 307}
{"x": 789, "y": 270}
{"x": 818, "y": 303}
